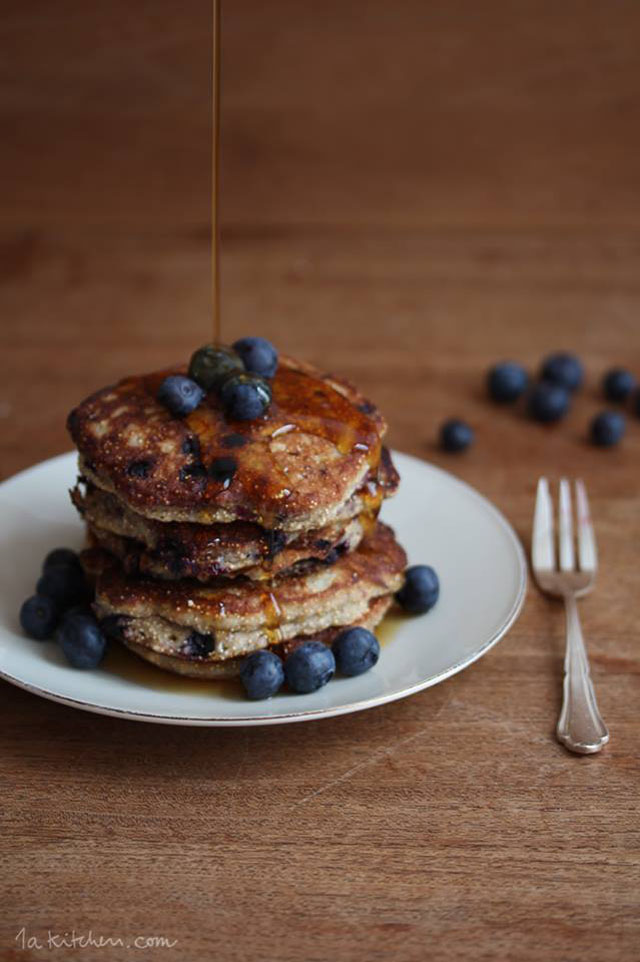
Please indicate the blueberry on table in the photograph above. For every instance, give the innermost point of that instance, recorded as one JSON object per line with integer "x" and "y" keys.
{"x": 565, "y": 370}
{"x": 81, "y": 640}
{"x": 548, "y": 402}
{"x": 262, "y": 675}
{"x": 355, "y": 650}
{"x": 180, "y": 394}
{"x": 455, "y": 435}
{"x": 61, "y": 556}
{"x": 39, "y": 617}
{"x": 64, "y": 583}
{"x": 210, "y": 364}
{"x": 258, "y": 354}
{"x": 618, "y": 384}
{"x": 607, "y": 428}
{"x": 245, "y": 397}
{"x": 507, "y": 382}
{"x": 420, "y": 590}
{"x": 309, "y": 667}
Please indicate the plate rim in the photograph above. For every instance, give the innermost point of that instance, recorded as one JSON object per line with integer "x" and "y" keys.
{"x": 311, "y": 714}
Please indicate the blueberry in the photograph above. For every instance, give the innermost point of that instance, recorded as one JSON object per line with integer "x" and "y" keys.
{"x": 262, "y": 674}
{"x": 180, "y": 394}
{"x": 61, "y": 556}
{"x": 607, "y": 428}
{"x": 197, "y": 645}
{"x": 39, "y": 617}
{"x": 548, "y": 402}
{"x": 81, "y": 641}
{"x": 191, "y": 446}
{"x": 139, "y": 468}
{"x": 245, "y": 397}
{"x": 259, "y": 355}
{"x": 356, "y": 650}
{"x": 309, "y": 667}
{"x": 564, "y": 370}
{"x": 223, "y": 471}
{"x": 507, "y": 381}
{"x": 618, "y": 384}
{"x": 211, "y": 364}
{"x": 195, "y": 470}
{"x": 455, "y": 435}
{"x": 420, "y": 590}
{"x": 64, "y": 583}
{"x": 233, "y": 441}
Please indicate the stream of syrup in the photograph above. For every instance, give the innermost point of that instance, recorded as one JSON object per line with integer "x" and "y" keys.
{"x": 215, "y": 175}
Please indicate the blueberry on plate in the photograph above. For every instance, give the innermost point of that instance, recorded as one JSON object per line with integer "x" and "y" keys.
{"x": 245, "y": 397}
{"x": 262, "y": 675}
{"x": 420, "y": 590}
{"x": 309, "y": 667}
{"x": 64, "y": 583}
{"x": 180, "y": 394}
{"x": 39, "y": 617}
{"x": 507, "y": 382}
{"x": 355, "y": 650}
{"x": 563, "y": 369}
{"x": 455, "y": 435}
{"x": 61, "y": 556}
{"x": 81, "y": 640}
{"x": 618, "y": 384}
{"x": 548, "y": 402}
{"x": 210, "y": 364}
{"x": 258, "y": 354}
{"x": 607, "y": 428}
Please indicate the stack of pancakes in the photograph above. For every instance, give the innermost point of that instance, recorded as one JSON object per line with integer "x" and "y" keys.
{"x": 212, "y": 539}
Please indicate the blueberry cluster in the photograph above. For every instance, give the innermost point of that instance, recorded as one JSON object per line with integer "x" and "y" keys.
{"x": 312, "y": 664}
{"x": 60, "y": 607}
{"x": 239, "y": 375}
{"x": 548, "y": 399}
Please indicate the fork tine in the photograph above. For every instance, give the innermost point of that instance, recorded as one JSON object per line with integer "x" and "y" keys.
{"x": 565, "y": 528}
{"x": 543, "y": 552}
{"x": 587, "y": 552}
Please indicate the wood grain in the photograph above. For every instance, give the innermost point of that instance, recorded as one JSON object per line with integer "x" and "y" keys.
{"x": 411, "y": 191}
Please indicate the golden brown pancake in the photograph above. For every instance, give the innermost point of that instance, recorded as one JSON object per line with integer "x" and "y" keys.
{"x": 194, "y": 667}
{"x": 295, "y": 467}
{"x": 210, "y": 624}
{"x": 174, "y": 549}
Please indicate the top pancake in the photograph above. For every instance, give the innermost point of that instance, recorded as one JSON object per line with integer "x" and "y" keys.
{"x": 296, "y": 465}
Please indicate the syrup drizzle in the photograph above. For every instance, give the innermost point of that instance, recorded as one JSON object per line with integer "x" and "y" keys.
{"x": 215, "y": 174}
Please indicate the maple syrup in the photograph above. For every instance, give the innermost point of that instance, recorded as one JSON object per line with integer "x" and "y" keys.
{"x": 215, "y": 174}
{"x": 389, "y": 626}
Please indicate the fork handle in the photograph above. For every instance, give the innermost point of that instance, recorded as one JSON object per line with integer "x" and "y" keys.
{"x": 580, "y": 727}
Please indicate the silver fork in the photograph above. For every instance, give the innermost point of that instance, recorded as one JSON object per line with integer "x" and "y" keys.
{"x": 580, "y": 727}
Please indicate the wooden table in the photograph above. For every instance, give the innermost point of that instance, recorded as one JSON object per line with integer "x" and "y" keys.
{"x": 411, "y": 191}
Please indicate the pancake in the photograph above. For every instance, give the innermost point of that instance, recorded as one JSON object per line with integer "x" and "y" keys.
{"x": 295, "y": 467}
{"x": 135, "y": 638}
{"x": 187, "y": 550}
{"x": 211, "y": 624}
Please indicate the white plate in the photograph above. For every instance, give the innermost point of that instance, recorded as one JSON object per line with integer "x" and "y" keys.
{"x": 440, "y": 521}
